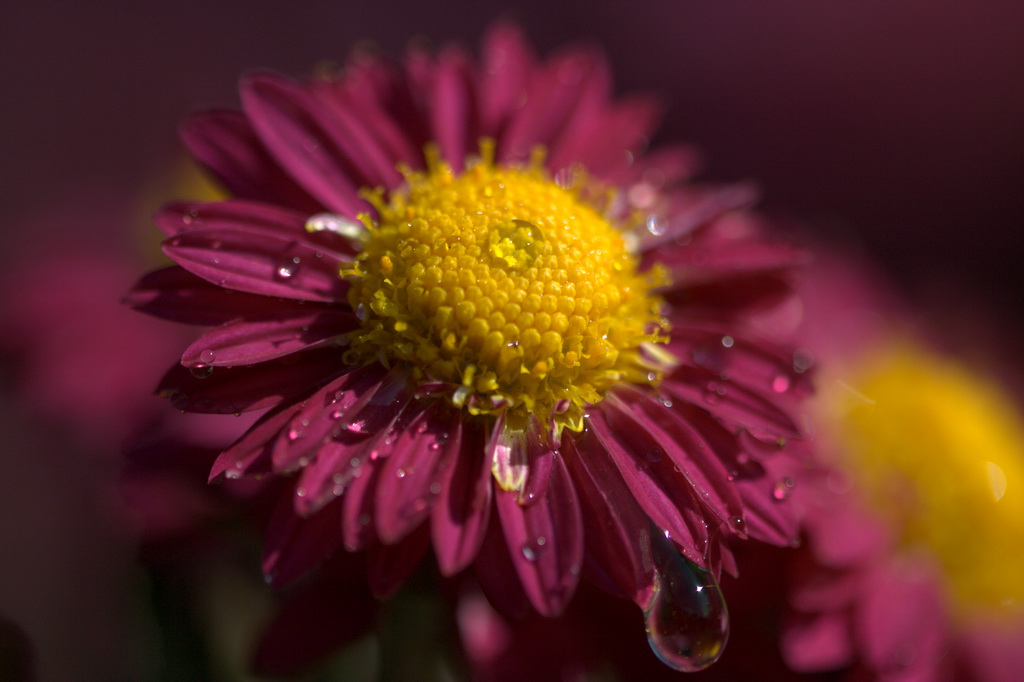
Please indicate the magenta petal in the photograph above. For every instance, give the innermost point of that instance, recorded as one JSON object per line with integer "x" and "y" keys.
{"x": 506, "y": 63}
{"x": 305, "y": 631}
{"x": 663, "y": 493}
{"x": 251, "y": 454}
{"x": 228, "y": 390}
{"x": 424, "y": 450}
{"x": 600, "y": 141}
{"x": 818, "y": 642}
{"x": 345, "y": 440}
{"x": 731, "y": 402}
{"x": 754, "y": 363}
{"x": 498, "y": 577}
{"x": 260, "y": 262}
{"x": 615, "y": 528}
{"x": 690, "y": 452}
{"x": 901, "y": 617}
{"x": 176, "y": 294}
{"x": 249, "y": 341}
{"x": 771, "y": 517}
{"x": 569, "y": 82}
{"x": 453, "y": 111}
{"x": 320, "y": 418}
{"x": 357, "y": 508}
{"x": 296, "y": 545}
{"x": 225, "y": 142}
{"x": 545, "y": 540}
{"x": 462, "y": 510}
{"x": 305, "y": 142}
{"x": 730, "y": 298}
{"x": 389, "y": 565}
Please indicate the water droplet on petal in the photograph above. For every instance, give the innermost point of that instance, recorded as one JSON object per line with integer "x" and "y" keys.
{"x": 783, "y": 488}
{"x": 330, "y": 222}
{"x": 533, "y": 549}
{"x": 287, "y": 269}
{"x": 728, "y": 341}
{"x": 656, "y": 225}
{"x": 780, "y": 384}
{"x": 207, "y": 356}
{"x": 687, "y": 620}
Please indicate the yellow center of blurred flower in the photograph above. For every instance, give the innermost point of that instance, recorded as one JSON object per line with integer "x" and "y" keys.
{"x": 514, "y": 292}
{"x": 939, "y": 452}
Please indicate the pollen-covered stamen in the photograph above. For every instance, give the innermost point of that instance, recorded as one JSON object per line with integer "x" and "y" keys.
{"x": 517, "y": 292}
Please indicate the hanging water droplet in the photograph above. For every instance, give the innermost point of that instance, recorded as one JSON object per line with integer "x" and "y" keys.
{"x": 687, "y": 620}
{"x": 201, "y": 371}
{"x": 783, "y": 488}
{"x": 287, "y": 268}
{"x": 656, "y": 225}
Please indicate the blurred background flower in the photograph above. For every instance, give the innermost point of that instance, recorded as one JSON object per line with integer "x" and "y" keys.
{"x": 892, "y": 128}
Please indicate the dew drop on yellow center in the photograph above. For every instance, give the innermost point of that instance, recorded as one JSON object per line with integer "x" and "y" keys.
{"x": 516, "y": 292}
{"x": 939, "y": 453}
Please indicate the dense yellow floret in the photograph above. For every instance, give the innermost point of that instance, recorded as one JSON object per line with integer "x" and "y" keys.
{"x": 517, "y": 292}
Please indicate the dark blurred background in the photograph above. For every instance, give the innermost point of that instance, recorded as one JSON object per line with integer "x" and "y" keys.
{"x": 889, "y": 127}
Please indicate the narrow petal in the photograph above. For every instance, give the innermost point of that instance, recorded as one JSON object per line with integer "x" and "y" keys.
{"x": 901, "y": 619}
{"x": 314, "y": 421}
{"x": 343, "y": 440}
{"x": 568, "y": 82}
{"x": 304, "y": 141}
{"x": 819, "y": 642}
{"x": 506, "y": 63}
{"x": 454, "y": 119}
{"x": 545, "y": 540}
{"x": 357, "y": 508}
{"x": 731, "y": 401}
{"x": 272, "y": 258}
{"x": 603, "y": 141}
{"x": 690, "y": 453}
{"x": 176, "y": 294}
{"x": 424, "y": 450}
{"x": 225, "y": 142}
{"x": 663, "y": 493}
{"x": 462, "y": 510}
{"x": 228, "y": 390}
{"x": 251, "y": 454}
{"x": 249, "y": 341}
{"x": 755, "y": 363}
{"x": 390, "y": 565}
{"x": 771, "y": 516}
{"x": 305, "y": 630}
{"x": 498, "y": 577}
{"x": 295, "y": 545}
{"x": 615, "y": 529}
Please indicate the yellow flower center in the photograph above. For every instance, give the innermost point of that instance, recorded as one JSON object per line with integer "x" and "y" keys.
{"x": 504, "y": 289}
{"x": 939, "y": 452}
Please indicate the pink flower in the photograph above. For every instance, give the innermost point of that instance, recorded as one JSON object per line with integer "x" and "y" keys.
{"x": 915, "y": 516}
{"x": 481, "y": 320}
